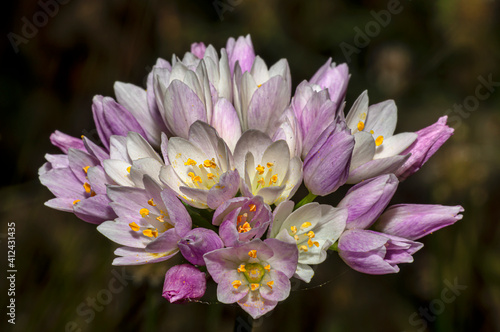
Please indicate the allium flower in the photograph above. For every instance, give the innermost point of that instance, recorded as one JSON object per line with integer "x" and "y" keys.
{"x": 150, "y": 223}
{"x": 197, "y": 242}
{"x": 326, "y": 166}
{"x": 266, "y": 168}
{"x": 256, "y": 275}
{"x": 184, "y": 283}
{"x": 377, "y": 150}
{"x": 375, "y": 253}
{"x": 429, "y": 140}
{"x": 243, "y": 219}
{"x": 313, "y": 228}
{"x": 333, "y": 78}
{"x": 413, "y": 221}
{"x": 200, "y": 169}
{"x": 77, "y": 179}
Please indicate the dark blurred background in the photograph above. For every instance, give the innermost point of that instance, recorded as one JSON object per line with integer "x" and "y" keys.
{"x": 431, "y": 58}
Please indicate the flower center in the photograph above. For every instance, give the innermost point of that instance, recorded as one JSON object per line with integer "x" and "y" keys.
{"x": 254, "y": 272}
{"x": 203, "y": 175}
{"x": 303, "y": 239}
{"x": 264, "y": 178}
{"x": 155, "y": 221}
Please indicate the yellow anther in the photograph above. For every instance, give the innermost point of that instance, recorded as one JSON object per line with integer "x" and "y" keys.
{"x": 296, "y": 237}
{"x": 293, "y": 229}
{"x": 252, "y": 207}
{"x": 241, "y": 268}
{"x": 82, "y": 137}
{"x": 261, "y": 181}
{"x": 160, "y": 218}
{"x": 244, "y": 228}
{"x": 252, "y": 253}
{"x": 254, "y": 286}
{"x": 269, "y": 165}
{"x": 362, "y": 116}
{"x": 134, "y": 226}
{"x": 155, "y": 232}
{"x": 75, "y": 201}
{"x": 209, "y": 163}
{"x": 191, "y": 175}
{"x": 86, "y": 186}
{"x": 311, "y": 234}
{"x": 144, "y": 212}
{"x": 92, "y": 193}
{"x": 85, "y": 169}
{"x": 236, "y": 284}
{"x": 310, "y": 243}
{"x": 361, "y": 125}
{"x": 197, "y": 179}
{"x": 259, "y": 85}
{"x": 303, "y": 248}
{"x": 190, "y": 162}
{"x": 379, "y": 140}
{"x": 305, "y": 225}
{"x": 148, "y": 232}
{"x": 372, "y": 132}
{"x": 267, "y": 268}
{"x": 270, "y": 284}
{"x": 151, "y": 202}
{"x": 210, "y": 176}
{"x": 260, "y": 169}
{"x": 273, "y": 179}
{"x": 129, "y": 168}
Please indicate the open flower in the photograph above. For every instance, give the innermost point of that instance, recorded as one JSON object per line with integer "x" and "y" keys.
{"x": 150, "y": 223}
{"x": 266, "y": 167}
{"x": 375, "y": 253}
{"x": 200, "y": 169}
{"x": 256, "y": 275}
{"x": 184, "y": 283}
{"x": 313, "y": 228}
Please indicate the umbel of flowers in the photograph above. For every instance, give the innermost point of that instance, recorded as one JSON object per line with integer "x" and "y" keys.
{"x": 205, "y": 162}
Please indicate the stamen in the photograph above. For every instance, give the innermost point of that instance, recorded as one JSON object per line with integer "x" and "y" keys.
{"x": 259, "y": 85}
{"x": 160, "y": 218}
{"x": 379, "y": 140}
{"x": 86, "y": 186}
{"x": 260, "y": 169}
{"x": 85, "y": 169}
{"x": 296, "y": 237}
{"x": 267, "y": 268}
{"x": 372, "y": 132}
{"x": 148, "y": 232}
{"x": 254, "y": 286}
{"x": 155, "y": 232}
{"x": 144, "y": 212}
{"x": 303, "y": 248}
{"x": 261, "y": 181}
{"x": 210, "y": 176}
{"x": 310, "y": 243}
{"x": 245, "y": 228}
{"x": 270, "y": 284}
{"x": 197, "y": 179}
{"x": 128, "y": 168}
{"x": 92, "y": 193}
{"x": 151, "y": 202}
{"x": 361, "y": 125}
{"x": 294, "y": 229}
{"x": 252, "y": 207}
{"x": 305, "y": 225}
{"x": 269, "y": 165}
{"x": 134, "y": 226}
{"x": 190, "y": 162}
{"x": 273, "y": 179}
{"x": 252, "y": 253}
{"x": 75, "y": 201}
{"x": 209, "y": 163}
{"x": 191, "y": 175}
{"x": 241, "y": 268}
{"x": 236, "y": 284}
{"x": 311, "y": 234}
{"x": 82, "y": 137}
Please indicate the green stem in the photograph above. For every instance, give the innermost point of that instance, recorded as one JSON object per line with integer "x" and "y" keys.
{"x": 308, "y": 199}
{"x": 334, "y": 247}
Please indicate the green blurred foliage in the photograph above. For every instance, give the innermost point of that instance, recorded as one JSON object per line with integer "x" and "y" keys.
{"x": 428, "y": 58}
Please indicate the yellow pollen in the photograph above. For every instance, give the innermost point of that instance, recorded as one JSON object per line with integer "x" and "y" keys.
{"x": 362, "y": 116}
{"x": 85, "y": 169}
{"x": 379, "y": 140}
{"x": 294, "y": 229}
{"x": 191, "y": 175}
{"x": 259, "y": 85}
{"x": 361, "y": 125}
{"x": 252, "y": 207}
{"x": 310, "y": 243}
{"x": 92, "y": 193}
{"x": 372, "y": 132}
{"x": 190, "y": 162}
{"x": 252, "y": 253}
{"x": 303, "y": 248}
{"x": 311, "y": 234}
{"x": 296, "y": 237}
{"x": 254, "y": 286}
{"x": 155, "y": 232}
{"x": 86, "y": 186}
{"x": 197, "y": 179}
{"x": 245, "y": 228}
{"x": 134, "y": 226}
{"x": 273, "y": 179}
{"x": 261, "y": 181}
{"x": 269, "y": 165}
{"x": 236, "y": 284}
{"x": 209, "y": 163}
{"x": 241, "y": 268}
{"x": 260, "y": 169}
{"x": 305, "y": 225}
{"x": 267, "y": 268}
{"x": 75, "y": 201}
{"x": 210, "y": 176}
{"x": 144, "y": 212}
{"x": 128, "y": 168}
{"x": 82, "y": 137}
{"x": 151, "y": 202}
{"x": 160, "y": 218}
{"x": 270, "y": 284}
{"x": 148, "y": 232}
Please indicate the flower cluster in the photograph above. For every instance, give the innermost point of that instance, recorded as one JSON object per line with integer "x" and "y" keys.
{"x": 205, "y": 161}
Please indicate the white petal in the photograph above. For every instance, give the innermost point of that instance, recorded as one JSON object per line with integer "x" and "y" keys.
{"x": 358, "y": 112}
{"x": 364, "y": 149}
{"x": 118, "y": 148}
{"x": 280, "y": 214}
{"x": 139, "y": 148}
{"x": 304, "y": 272}
{"x": 395, "y": 145}
{"x": 117, "y": 171}
{"x": 382, "y": 119}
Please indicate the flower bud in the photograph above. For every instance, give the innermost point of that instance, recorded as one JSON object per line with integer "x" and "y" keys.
{"x": 334, "y": 78}
{"x": 183, "y": 283}
{"x": 198, "y": 242}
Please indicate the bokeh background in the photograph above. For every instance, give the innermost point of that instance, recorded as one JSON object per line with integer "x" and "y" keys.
{"x": 428, "y": 58}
